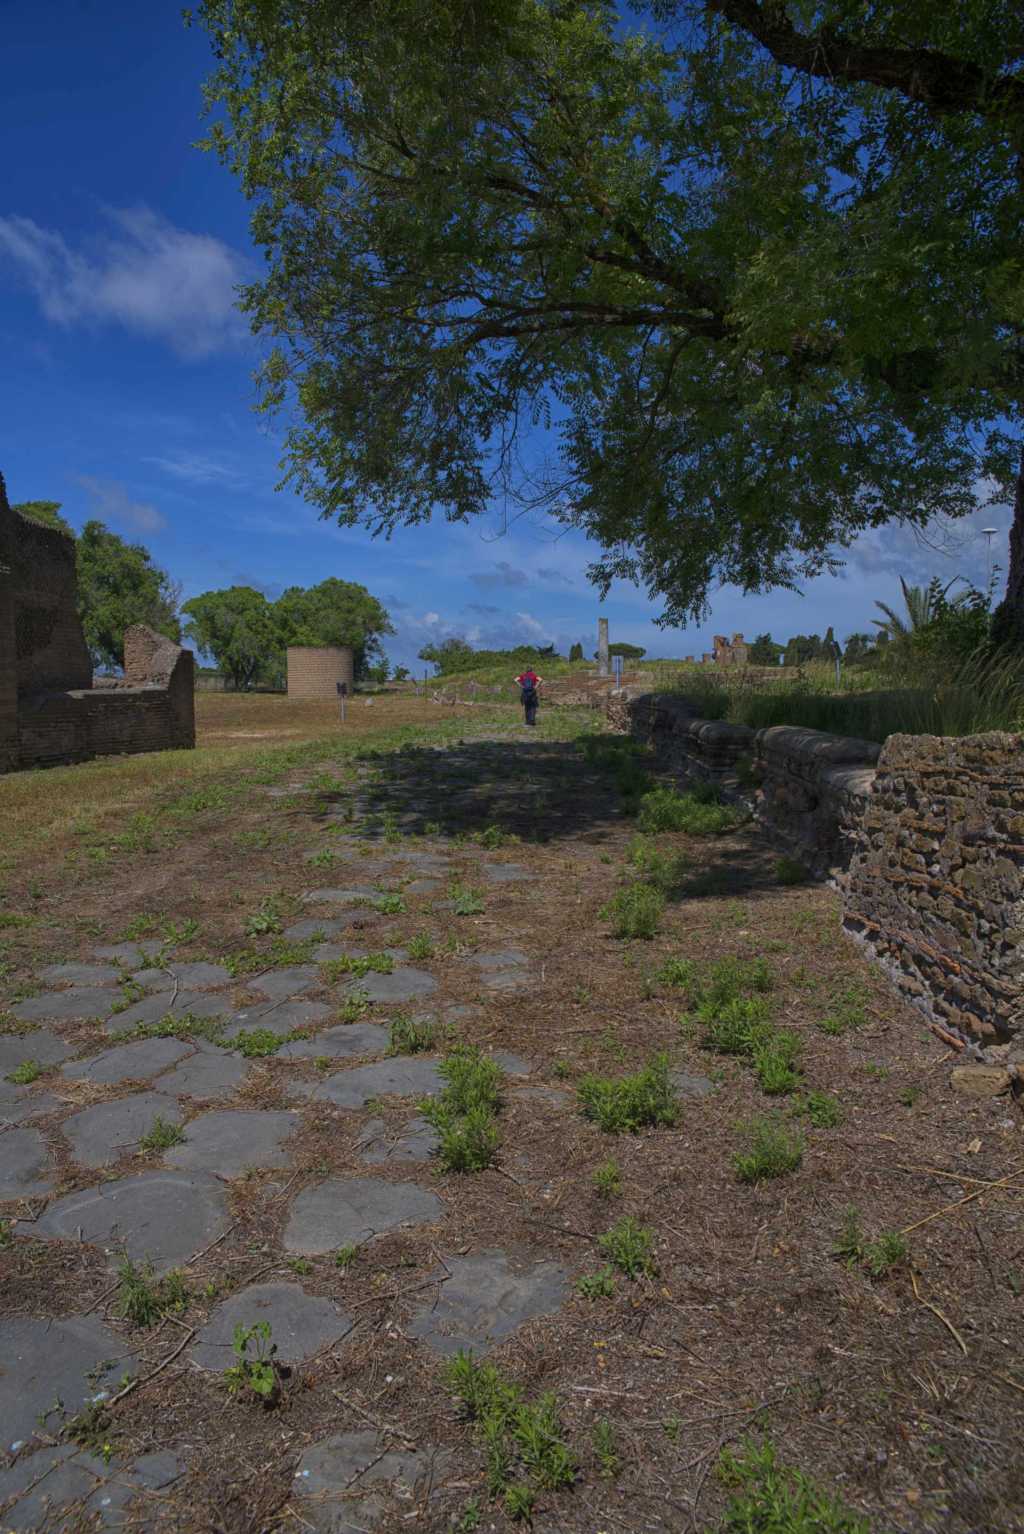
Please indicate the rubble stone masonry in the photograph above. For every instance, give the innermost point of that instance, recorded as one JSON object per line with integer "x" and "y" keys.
{"x": 923, "y": 838}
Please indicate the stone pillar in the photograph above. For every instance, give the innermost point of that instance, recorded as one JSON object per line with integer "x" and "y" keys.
{"x": 8, "y": 659}
{"x": 602, "y": 646}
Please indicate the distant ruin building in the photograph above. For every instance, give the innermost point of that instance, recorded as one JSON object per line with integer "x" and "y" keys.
{"x": 728, "y": 653}
{"x": 314, "y": 671}
{"x": 51, "y": 708}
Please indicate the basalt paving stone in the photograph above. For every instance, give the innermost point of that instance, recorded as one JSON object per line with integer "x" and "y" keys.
{"x": 484, "y": 1298}
{"x": 207, "y": 1073}
{"x": 69, "y": 1006}
{"x": 344, "y": 1042}
{"x": 346, "y": 1211}
{"x": 42, "y": 1047}
{"x": 227, "y": 1141}
{"x": 279, "y": 984}
{"x": 139, "y": 1060}
{"x": 400, "y": 1077}
{"x": 463, "y": 1012}
{"x": 691, "y": 1086}
{"x": 513, "y": 1065}
{"x": 102, "y": 1133}
{"x": 23, "y": 1157}
{"x": 151, "y": 1009}
{"x": 279, "y": 1018}
{"x": 82, "y": 974}
{"x": 311, "y": 927}
{"x": 57, "y": 1359}
{"x": 49, "y": 1481}
{"x": 550, "y": 1097}
{"x": 352, "y": 1482}
{"x": 401, "y": 985}
{"x": 499, "y": 958}
{"x": 357, "y": 893}
{"x": 17, "y": 1105}
{"x": 506, "y": 873}
{"x": 300, "y": 1324}
{"x": 130, "y": 952}
{"x": 161, "y": 1216}
{"x": 415, "y": 1141}
{"x": 517, "y": 979}
{"x": 200, "y": 974}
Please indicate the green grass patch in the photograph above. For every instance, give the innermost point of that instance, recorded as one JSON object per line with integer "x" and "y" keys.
{"x": 255, "y": 1043}
{"x": 280, "y": 953}
{"x": 635, "y": 911}
{"x": 523, "y": 1442}
{"x": 24, "y": 1074}
{"x": 161, "y": 1135}
{"x": 771, "y": 1498}
{"x": 465, "y": 1113}
{"x": 142, "y": 1299}
{"x": 333, "y": 970}
{"x": 597, "y": 1286}
{"x": 773, "y": 1150}
{"x": 695, "y": 812}
{"x": 819, "y": 1109}
{"x": 627, "y": 1104}
{"x": 788, "y": 872}
{"x": 412, "y": 1035}
{"x": 465, "y": 901}
{"x": 629, "y": 1247}
{"x": 420, "y": 947}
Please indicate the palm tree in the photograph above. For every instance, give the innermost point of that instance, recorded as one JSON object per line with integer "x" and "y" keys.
{"x": 922, "y": 603}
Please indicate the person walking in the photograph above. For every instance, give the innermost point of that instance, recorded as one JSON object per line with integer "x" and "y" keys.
{"x": 529, "y": 684}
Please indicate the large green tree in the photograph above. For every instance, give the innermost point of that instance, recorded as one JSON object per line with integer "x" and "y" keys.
{"x": 335, "y": 613}
{"x": 47, "y": 513}
{"x": 239, "y": 628}
{"x": 118, "y": 584}
{"x": 754, "y": 265}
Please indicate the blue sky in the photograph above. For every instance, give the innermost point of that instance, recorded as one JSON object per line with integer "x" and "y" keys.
{"x": 128, "y": 374}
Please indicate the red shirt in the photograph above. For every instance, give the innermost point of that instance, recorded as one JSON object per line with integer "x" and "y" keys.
{"x": 528, "y": 679}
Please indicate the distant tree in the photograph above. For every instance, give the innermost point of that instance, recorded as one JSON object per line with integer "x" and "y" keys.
{"x": 802, "y": 648}
{"x": 627, "y": 651}
{"x": 239, "y": 629}
{"x": 400, "y": 674}
{"x": 764, "y": 651}
{"x": 449, "y": 656}
{"x": 576, "y": 652}
{"x": 47, "y": 513}
{"x": 118, "y": 584}
{"x": 858, "y": 648}
{"x": 335, "y": 613}
{"x": 921, "y": 603}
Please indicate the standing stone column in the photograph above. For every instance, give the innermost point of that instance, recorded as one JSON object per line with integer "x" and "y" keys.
{"x": 602, "y": 646}
{"x": 8, "y": 653}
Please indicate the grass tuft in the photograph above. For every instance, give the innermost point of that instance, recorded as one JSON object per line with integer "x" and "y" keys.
{"x": 464, "y": 1115}
{"x": 635, "y": 911}
{"x": 773, "y": 1151}
{"x": 770, "y": 1498}
{"x": 627, "y": 1104}
{"x": 629, "y": 1247}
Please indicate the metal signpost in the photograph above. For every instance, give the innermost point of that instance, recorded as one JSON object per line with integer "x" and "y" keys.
{"x": 342, "y": 695}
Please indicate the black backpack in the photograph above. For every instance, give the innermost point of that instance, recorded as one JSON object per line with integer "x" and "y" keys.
{"x": 528, "y": 696}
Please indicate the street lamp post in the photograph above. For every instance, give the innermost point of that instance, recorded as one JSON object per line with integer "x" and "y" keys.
{"x": 988, "y": 533}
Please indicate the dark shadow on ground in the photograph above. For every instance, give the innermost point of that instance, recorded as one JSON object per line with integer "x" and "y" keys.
{"x": 538, "y": 790}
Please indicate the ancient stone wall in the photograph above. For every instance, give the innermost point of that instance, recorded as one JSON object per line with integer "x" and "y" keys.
{"x": 50, "y": 711}
{"x": 923, "y": 838}
{"x": 314, "y": 671}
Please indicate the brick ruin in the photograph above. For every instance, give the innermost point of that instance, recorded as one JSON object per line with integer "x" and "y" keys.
{"x": 728, "y": 652}
{"x": 52, "y": 710}
{"x": 314, "y": 671}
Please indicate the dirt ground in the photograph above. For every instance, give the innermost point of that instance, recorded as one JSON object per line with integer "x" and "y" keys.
{"x": 901, "y": 1394}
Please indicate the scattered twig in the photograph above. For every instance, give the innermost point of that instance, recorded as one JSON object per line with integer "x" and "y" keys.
{"x": 395, "y": 1294}
{"x": 223, "y": 1237}
{"x": 978, "y": 1193}
{"x": 377, "y": 1422}
{"x": 135, "y": 1383}
{"x": 937, "y": 1312}
{"x": 1007, "y": 1380}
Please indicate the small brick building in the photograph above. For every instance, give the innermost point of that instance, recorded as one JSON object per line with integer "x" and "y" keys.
{"x": 51, "y": 710}
{"x": 314, "y": 671}
{"x": 734, "y": 652}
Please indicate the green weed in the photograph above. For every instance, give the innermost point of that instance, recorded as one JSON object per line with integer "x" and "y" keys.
{"x": 24, "y": 1074}
{"x": 607, "y": 1180}
{"x": 603, "y": 1438}
{"x": 465, "y": 901}
{"x": 390, "y": 905}
{"x": 353, "y": 1007}
{"x": 597, "y": 1286}
{"x": 635, "y": 911}
{"x": 161, "y": 1135}
{"x": 264, "y": 922}
{"x": 877, "y": 1257}
{"x": 629, "y": 1247}
{"x": 626, "y": 1104}
{"x": 677, "y": 972}
{"x": 773, "y": 1151}
{"x": 254, "y": 1370}
{"x": 789, "y": 872}
{"x": 254, "y": 1043}
{"x": 142, "y": 1298}
{"x": 771, "y": 1498}
{"x": 333, "y": 970}
{"x": 421, "y": 947}
{"x": 819, "y": 1108}
{"x": 518, "y": 1437}
{"x": 345, "y": 1256}
{"x": 464, "y": 1113}
{"x": 412, "y": 1035}
{"x": 665, "y": 809}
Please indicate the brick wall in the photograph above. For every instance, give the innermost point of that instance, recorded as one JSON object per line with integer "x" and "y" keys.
{"x": 8, "y": 664}
{"x": 315, "y": 671}
{"x": 50, "y": 648}
{"x": 923, "y": 838}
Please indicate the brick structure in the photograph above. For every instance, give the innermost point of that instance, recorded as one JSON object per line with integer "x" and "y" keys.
{"x": 923, "y": 837}
{"x": 314, "y": 671}
{"x": 50, "y": 711}
{"x": 734, "y": 652}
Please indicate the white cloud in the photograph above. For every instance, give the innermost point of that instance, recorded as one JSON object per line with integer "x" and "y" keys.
{"x": 112, "y": 503}
{"x": 195, "y": 469}
{"x": 143, "y": 274}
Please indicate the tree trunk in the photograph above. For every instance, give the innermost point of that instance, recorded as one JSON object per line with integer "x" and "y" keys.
{"x": 1008, "y": 618}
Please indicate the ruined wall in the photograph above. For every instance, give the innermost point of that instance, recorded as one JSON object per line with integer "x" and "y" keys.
{"x": 935, "y": 888}
{"x": 315, "y": 670}
{"x": 50, "y": 711}
{"x": 923, "y": 838}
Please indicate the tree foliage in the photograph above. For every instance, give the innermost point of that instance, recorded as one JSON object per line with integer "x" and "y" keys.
{"x": 118, "y": 584}
{"x": 335, "y": 613}
{"x": 752, "y": 269}
{"x": 764, "y": 651}
{"x": 238, "y": 628}
{"x": 455, "y": 655}
{"x": 576, "y": 651}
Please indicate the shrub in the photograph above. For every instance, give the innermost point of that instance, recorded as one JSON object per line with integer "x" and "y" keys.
{"x": 773, "y": 1499}
{"x": 665, "y": 809}
{"x": 626, "y": 1104}
{"x": 635, "y": 911}
{"x": 787, "y": 871}
{"x": 773, "y": 1151}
